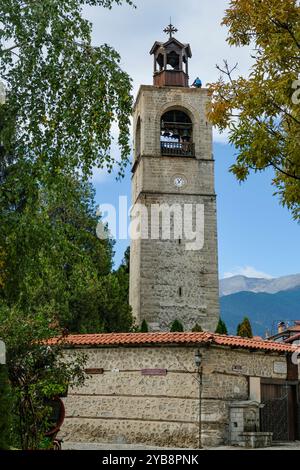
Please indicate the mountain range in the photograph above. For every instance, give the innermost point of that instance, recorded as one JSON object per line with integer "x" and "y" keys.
{"x": 235, "y": 284}
{"x": 265, "y": 301}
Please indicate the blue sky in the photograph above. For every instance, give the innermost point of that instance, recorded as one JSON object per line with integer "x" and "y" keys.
{"x": 257, "y": 237}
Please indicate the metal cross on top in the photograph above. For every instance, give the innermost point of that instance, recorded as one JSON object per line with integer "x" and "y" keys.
{"x": 170, "y": 29}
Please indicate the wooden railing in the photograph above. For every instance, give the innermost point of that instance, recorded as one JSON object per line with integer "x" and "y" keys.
{"x": 184, "y": 149}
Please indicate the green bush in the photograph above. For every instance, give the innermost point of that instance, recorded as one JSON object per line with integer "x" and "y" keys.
{"x": 144, "y": 327}
{"x": 244, "y": 329}
{"x": 221, "y": 328}
{"x": 176, "y": 327}
{"x": 197, "y": 328}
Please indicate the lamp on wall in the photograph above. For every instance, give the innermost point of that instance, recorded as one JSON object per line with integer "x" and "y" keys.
{"x": 198, "y": 364}
{"x": 198, "y": 359}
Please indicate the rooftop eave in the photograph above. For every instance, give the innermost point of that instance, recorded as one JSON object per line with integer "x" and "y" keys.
{"x": 158, "y": 44}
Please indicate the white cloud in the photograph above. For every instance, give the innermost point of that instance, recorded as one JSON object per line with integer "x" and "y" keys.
{"x": 220, "y": 138}
{"x": 101, "y": 175}
{"x": 248, "y": 271}
{"x": 133, "y": 32}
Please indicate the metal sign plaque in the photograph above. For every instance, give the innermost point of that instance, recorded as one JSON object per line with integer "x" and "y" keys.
{"x": 161, "y": 372}
{"x": 280, "y": 368}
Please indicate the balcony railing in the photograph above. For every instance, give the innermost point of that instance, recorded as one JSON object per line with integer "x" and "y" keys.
{"x": 183, "y": 149}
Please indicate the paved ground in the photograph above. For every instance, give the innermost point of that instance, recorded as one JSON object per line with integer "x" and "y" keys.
{"x": 98, "y": 446}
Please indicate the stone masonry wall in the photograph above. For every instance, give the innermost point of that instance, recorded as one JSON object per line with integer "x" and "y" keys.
{"x": 123, "y": 406}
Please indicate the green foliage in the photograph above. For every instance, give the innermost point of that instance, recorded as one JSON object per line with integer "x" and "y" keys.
{"x": 262, "y": 110}
{"x": 244, "y": 329}
{"x": 197, "y": 328}
{"x": 36, "y": 372}
{"x": 63, "y": 96}
{"x": 51, "y": 258}
{"x": 176, "y": 326}
{"x": 144, "y": 327}
{"x": 5, "y": 409}
{"x": 64, "y": 93}
{"x": 221, "y": 328}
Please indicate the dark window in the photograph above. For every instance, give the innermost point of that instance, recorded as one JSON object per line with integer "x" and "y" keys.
{"x": 138, "y": 138}
{"x": 176, "y": 134}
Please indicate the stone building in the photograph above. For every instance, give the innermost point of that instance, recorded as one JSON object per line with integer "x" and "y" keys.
{"x": 173, "y": 269}
{"x": 287, "y": 333}
{"x": 145, "y": 388}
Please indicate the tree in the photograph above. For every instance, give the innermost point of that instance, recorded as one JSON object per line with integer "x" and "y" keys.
{"x": 197, "y": 328}
{"x": 244, "y": 329}
{"x": 221, "y": 328}
{"x": 54, "y": 261}
{"x": 144, "y": 327}
{"x": 50, "y": 255}
{"x": 115, "y": 308}
{"x": 5, "y": 408}
{"x": 37, "y": 372}
{"x": 176, "y": 326}
{"x": 63, "y": 93}
{"x": 262, "y": 111}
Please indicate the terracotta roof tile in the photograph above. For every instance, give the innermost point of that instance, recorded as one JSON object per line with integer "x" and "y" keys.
{"x": 292, "y": 338}
{"x": 251, "y": 343}
{"x": 294, "y": 328}
{"x": 135, "y": 339}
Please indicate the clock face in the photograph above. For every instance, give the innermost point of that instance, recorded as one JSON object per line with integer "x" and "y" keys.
{"x": 179, "y": 181}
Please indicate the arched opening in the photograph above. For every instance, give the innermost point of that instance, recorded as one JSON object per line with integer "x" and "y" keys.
{"x": 138, "y": 138}
{"x": 173, "y": 61}
{"x": 176, "y": 133}
{"x": 160, "y": 61}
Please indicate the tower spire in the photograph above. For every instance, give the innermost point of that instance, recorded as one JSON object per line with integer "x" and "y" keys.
{"x": 170, "y": 29}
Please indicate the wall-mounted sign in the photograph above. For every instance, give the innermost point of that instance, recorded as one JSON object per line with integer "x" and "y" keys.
{"x": 238, "y": 369}
{"x": 280, "y": 368}
{"x": 161, "y": 372}
{"x": 93, "y": 371}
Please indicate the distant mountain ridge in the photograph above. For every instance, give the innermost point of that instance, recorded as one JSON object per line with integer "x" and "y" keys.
{"x": 264, "y": 310}
{"x": 235, "y": 284}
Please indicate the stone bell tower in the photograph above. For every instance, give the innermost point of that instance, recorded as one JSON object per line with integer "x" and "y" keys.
{"x": 174, "y": 265}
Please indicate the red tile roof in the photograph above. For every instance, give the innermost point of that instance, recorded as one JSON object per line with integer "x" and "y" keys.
{"x": 144, "y": 339}
{"x": 292, "y": 338}
{"x": 294, "y": 328}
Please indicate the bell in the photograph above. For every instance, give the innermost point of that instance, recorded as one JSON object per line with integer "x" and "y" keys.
{"x": 166, "y": 134}
{"x": 175, "y": 134}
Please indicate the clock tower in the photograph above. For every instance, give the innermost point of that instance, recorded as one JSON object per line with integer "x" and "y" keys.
{"x": 174, "y": 265}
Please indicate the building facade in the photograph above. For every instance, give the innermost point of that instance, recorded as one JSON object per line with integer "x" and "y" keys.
{"x": 174, "y": 265}
{"x": 146, "y": 389}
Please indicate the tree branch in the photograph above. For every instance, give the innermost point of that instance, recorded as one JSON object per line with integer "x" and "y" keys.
{"x": 9, "y": 49}
{"x": 287, "y": 28}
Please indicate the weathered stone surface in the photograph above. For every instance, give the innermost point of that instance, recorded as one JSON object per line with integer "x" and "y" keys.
{"x": 130, "y": 432}
{"x": 167, "y": 281}
{"x": 122, "y": 405}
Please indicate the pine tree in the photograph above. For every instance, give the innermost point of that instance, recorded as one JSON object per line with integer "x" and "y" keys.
{"x": 244, "y": 329}
{"x": 176, "y": 327}
{"x": 197, "y": 328}
{"x": 222, "y": 328}
{"x": 144, "y": 327}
